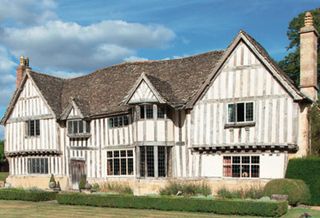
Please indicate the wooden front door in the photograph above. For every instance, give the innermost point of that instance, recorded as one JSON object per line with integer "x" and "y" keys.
{"x": 77, "y": 169}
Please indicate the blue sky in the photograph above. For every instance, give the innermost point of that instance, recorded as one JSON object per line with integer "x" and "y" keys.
{"x": 75, "y": 37}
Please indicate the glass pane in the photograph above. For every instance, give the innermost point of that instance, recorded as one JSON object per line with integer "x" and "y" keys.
{"x": 46, "y": 166}
{"x": 255, "y": 171}
{"x": 255, "y": 159}
{"x": 115, "y": 122}
{"x": 227, "y": 171}
{"x": 161, "y": 161}
{"x": 87, "y": 126}
{"x": 149, "y": 109}
{"x": 142, "y": 161}
{"x": 116, "y": 167}
{"x": 231, "y": 113}
{"x": 130, "y": 166}
{"x": 32, "y": 129}
{"x": 240, "y": 112}
{"x": 227, "y": 160}
{"x": 123, "y": 166}
{"x": 160, "y": 111}
{"x": 70, "y": 127}
{"x": 130, "y": 153}
{"x": 249, "y": 111}
{"x": 125, "y": 121}
{"x": 150, "y": 161}
{"x": 245, "y": 170}
{"x": 236, "y": 159}
{"x": 245, "y": 159}
{"x": 109, "y": 167}
{"x": 142, "y": 111}
{"x": 116, "y": 154}
{"x": 110, "y": 122}
{"x": 123, "y": 153}
{"x": 37, "y": 127}
{"x": 75, "y": 127}
{"x": 81, "y": 126}
{"x": 109, "y": 154}
{"x": 235, "y": 170}
{"x": 120, "y": 121}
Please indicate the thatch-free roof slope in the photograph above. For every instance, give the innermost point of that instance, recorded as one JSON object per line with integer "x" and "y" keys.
{"x": 103, "y": 91}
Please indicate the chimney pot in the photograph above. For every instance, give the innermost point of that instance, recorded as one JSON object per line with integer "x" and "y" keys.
{"x": 21, "y": 69}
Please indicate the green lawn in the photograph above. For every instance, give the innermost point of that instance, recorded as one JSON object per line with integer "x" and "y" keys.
{"x": 3, "y": 175}
{"x": 52, "y": 209}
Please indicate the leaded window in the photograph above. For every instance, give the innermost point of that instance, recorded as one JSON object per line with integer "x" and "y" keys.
{"x": 38, "y": 165}
{"x": 119, "y": 162}
{"x": 148, "y": 155}
{"x": 240, "y": 112}
{"x": 78, "y": 127}
{"x": 33, "y": 127}
{"x": 118, "y": 121}
{"x": 241, "y": 166}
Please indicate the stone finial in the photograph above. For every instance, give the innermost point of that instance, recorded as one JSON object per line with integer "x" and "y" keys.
{"x": 22, "y": 62}
{"x": 308, "y": 19}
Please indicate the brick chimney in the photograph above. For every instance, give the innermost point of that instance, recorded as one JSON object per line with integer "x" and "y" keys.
{"x": 308, "y": 58}
{"x": 21, "y": 69}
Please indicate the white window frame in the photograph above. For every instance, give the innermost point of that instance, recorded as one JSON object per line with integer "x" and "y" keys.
{"x": 133, "y": 162}
{"x": 85, "y": 123}
{"x": 240, "y": 164}
{"x": 245, "y": 110}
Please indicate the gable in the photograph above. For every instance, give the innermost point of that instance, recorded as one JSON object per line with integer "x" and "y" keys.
{"x": 142, "y": 94}
{"x": 243, "y": 75}
{"x": 29, "y": 102}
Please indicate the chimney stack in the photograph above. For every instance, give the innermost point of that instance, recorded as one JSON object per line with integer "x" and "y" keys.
{"x": 308, "y": 58}
{"x": 21, "y": 69}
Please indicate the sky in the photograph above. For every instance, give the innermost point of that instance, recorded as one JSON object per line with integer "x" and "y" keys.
{"x": 70, "y": 38}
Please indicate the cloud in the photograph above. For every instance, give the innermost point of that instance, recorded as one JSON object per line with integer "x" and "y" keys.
{"x": 59, "y": 45}
{"x": 135, "y": 58}
{"x": 27, "y": 12}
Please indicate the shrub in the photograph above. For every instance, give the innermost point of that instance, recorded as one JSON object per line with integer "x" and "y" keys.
{"x": 82, "y": 182}
{"x": 95, "y": 187}
{"x": 253, "y": 192}
{"x": 297, "y": 191}
{"x": 186, "y": 189}
{"x": 26, "y": 195}
{"x": 219, "y": 206}
{"x": 116, "y": 187}
{"x": 308, "y": 170}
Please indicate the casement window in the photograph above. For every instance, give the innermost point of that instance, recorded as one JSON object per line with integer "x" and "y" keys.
{"x": 78, "y": 127}
{"x": 147, "y": 161}
{"x": 241, "y": 166}
{"x": 33, "y": 128}
{"x": 38, "y": 165}
{"x": 120, "y": 162}
{"x": 147, "y": 111}
{"x": 240, "y": 112}
{"x": 118, "y": 121}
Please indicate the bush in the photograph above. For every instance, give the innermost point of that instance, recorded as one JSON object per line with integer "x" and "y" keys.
{"x": 116, "y": 187}
{"x": 82, "y": 182}
{"x": 308, "y": 170}
{"x": 186, "y": 189}
{"x": 297, "y": 191}
{"x": 253, "y": 192}
{"x": 235, "y": 207}
{"x": 26, "y": 195}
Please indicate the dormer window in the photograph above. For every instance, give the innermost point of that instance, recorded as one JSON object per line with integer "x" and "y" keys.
{"x": 147, "y": 111}
{"x": 78, "y": 127}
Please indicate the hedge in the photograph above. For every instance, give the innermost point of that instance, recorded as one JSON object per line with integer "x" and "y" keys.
{"x": 308, "y": 170}
{"x": 219, "y": 206}
{"x": 26, "y": 195}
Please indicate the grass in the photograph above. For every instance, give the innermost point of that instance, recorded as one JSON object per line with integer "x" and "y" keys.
{"x": 3, "y": 175}
{"x": 52, "y": 209}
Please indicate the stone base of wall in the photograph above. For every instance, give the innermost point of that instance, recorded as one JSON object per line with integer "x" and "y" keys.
{"x": 152, "y": 186}
{"x": 41, "y": 182}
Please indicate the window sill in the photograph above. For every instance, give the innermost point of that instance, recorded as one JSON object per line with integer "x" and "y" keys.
{"x": 239, "y": 125}
{"x": 79, "y": 135}
{"x": 32, "y": 137}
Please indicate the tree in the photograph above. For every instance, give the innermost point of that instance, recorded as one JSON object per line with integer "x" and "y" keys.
{"x": 291, "y": 63}
{"x": 2, "y": 157}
